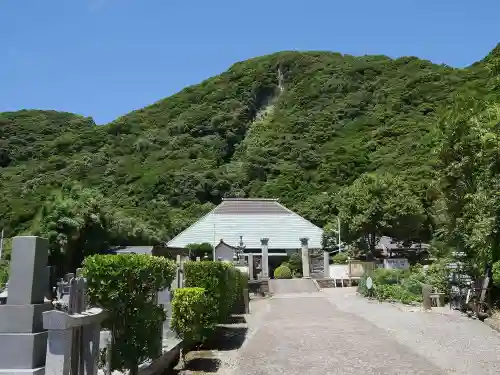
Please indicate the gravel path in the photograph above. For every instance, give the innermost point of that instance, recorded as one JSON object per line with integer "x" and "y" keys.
{"x": 456, "y": 344}
{"x": 334, "y": 331}
{"x": 307, "y": 335}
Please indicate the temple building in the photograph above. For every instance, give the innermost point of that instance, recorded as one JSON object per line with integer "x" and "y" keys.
{"x": 263, "y": 231}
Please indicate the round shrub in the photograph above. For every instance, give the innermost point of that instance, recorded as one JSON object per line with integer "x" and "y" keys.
{"x": 437, "y": 275}
{"x": 340, "y": 258}
{"x": 282, "y": 272}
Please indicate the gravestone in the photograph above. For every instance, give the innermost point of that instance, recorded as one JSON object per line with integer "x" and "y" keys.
{"x": 74, "y": 335}
{"x": 22, "y": 338}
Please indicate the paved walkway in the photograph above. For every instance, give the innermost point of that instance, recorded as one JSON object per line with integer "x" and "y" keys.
{"x": 336, "y": 332}
{"x": 283, "y": 286}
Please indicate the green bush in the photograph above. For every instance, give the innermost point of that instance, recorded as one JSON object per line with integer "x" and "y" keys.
{"x": 200, "y": 250}
{"x": 4, "y": 273}
{"x": 437, "y": 275}
{"x": 496, "y": 273}
{"x": 413, "y": 283}
{"x": 235, "y": 289}
{"x": 395, "y": 285}
{"x": 286, "y": 264}
{"x": 126, "y": 287}
{"x": 387, "y": 276}
{"x": 220, "y": 280}
{"x": 282, "y": 272}
{"x": 242, "y": 284}
{"x": 191, "y": 318}
{"x": 362, "y": 289}
{"x": 396, "y": 292}
{"x": 387, "y": 291}
{"x": 407, "y": 297}
{"x": 340, "y": 258}
{"x": 295, "y": 263}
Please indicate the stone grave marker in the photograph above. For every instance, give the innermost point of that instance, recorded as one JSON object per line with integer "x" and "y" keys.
{"x": 22, "y": 338}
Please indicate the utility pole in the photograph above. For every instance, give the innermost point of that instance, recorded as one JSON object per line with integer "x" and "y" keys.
{"x": 1, "y": 245}
{"x": 338, "y": 222}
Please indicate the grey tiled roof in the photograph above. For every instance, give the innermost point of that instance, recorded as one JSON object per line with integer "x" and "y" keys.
{"x": 238, "y": 206}
{"x": 135, "y": 250}
{"x": 391, "y": 244}
{"x": 253, "y": 219}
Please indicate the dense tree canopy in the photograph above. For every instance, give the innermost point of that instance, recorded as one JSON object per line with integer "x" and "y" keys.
{"x": 79, "y": 222}
{"x": 296, "y": 126}
{"x": 377, "y": 205}
{"x": 470, "y": 180}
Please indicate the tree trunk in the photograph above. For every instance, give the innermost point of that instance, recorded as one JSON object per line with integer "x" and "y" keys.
{"x": 372, "y": 244}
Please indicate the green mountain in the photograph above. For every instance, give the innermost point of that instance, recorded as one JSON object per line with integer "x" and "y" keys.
{"x": 290, "y": 125}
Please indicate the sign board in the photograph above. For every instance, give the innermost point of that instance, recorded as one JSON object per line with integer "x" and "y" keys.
{"x": 359, "y": 268}
{"x": 396, "y": 263}
{"x": 369, "y": 283}
{"x": 316, "y": 261}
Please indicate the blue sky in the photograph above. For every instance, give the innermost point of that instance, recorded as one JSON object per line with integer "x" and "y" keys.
{"x": 104, "y": 58}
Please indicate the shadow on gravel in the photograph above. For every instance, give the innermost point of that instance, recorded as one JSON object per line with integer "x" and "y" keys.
{"x": 226, "y": 338}
{"x": 203, "y": 359}
{"x": 203, "y": 365}
{"x": 199, "y": 365}
{"x": 237, "y": 319}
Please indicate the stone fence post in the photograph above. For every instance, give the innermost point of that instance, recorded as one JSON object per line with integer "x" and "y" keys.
{"x": 326, "y": 264}
{"x": 265, "y": 258}
{"x": 305, "y": 258}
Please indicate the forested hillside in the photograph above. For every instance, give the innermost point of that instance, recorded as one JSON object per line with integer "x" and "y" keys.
{"x": 296, "y": 126}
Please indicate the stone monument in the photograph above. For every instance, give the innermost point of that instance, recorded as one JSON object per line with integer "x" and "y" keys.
{"x": 326, "y": 265}
{"x": 305, "y": 258}
{"x": 23, "y": 341}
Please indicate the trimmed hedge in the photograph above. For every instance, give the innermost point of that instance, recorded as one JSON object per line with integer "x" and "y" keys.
{"x": 191, "y": 318}
{"x": 241, "y": 285}
{"x": 282, "y": 272}
{"x": 126, "y": 287}
{"x": 221, "y": 282}
{"x": 214, "y": 290}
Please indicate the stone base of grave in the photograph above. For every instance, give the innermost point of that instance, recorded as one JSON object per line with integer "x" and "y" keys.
{"x": 34, "y": 371}
{"x": 22, "y": 318}
{"x": 22, "y": 351}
